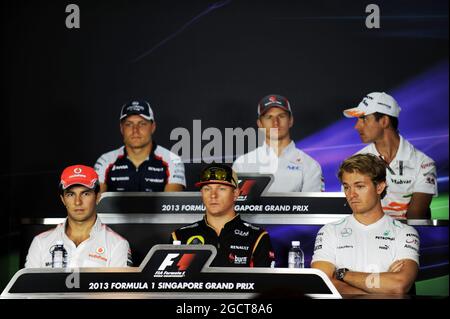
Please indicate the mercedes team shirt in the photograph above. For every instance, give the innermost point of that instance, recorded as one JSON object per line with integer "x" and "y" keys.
{"x": 366, "y": 248}
{"x": 239, "y": 244}
{"x": 411, "y": 171}
{"x": 120, "y": 175}
{"x": 103, "y": 248}
{"x": 293, "y": 170}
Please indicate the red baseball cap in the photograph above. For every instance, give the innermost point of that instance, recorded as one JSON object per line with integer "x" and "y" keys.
{"x": 79, "y": 175}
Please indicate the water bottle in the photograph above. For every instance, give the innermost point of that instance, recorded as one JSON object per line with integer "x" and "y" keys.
{"x": 59, "y": 255}
{"x": 296, "y": 258}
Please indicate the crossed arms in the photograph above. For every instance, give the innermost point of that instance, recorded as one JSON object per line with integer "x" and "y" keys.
{"x": 397, "y": 280}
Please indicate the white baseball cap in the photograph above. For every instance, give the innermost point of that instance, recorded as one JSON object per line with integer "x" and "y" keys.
{"x": 375, "y": 102}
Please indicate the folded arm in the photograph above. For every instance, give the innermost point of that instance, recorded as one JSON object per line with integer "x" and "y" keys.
{"x": 329, "y": 269}
{"x": 397, "y": 280}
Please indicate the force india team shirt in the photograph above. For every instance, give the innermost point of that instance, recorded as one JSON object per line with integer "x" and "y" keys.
{"x": 366, "y": 248}
{"x": 411, "y": 171}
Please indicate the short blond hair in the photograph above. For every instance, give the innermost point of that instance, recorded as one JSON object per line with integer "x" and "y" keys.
{"x": 366, "y": 164}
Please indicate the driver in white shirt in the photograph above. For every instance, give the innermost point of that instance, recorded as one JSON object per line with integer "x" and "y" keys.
{"x": 411, "y": 174}
{"x": 293, "y": 170}
{"x": 367, "y": 252}
{"x": 86, "y": 241}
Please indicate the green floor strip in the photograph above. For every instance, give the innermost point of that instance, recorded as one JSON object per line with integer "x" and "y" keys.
{"x": 439, "y": 207}
{"x": 433, "y": 287}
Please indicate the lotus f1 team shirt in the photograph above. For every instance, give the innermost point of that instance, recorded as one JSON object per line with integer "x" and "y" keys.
{"x": 160, "y": 168}
{"x": 366, "y": 248}
{"x": 293, "y": 170}
{"x": 103, "y": 248}
{"x": 411, "y": 171}
{"x": 239, "y": 244}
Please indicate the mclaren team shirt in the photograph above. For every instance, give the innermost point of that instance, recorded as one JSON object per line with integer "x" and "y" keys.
{"x": 293, "y": 170}
{"x": 239, "y": 244}
{"x": 411, "y": 171}
{"x": 104, "y": 248}
{"x": 120, "y": 175}
{"x": 366, "y": 248}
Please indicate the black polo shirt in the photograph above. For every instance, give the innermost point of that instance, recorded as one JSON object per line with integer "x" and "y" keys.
{"x": 239, "y": 244}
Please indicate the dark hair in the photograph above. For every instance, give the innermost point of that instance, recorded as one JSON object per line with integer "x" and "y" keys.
{"x": 392, "y": 119}
{"x": 96, "y": 188}
{"x": 366, "y": 164}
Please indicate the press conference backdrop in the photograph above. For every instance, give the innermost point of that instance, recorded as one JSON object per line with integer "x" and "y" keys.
{"x": 209, "y": 61}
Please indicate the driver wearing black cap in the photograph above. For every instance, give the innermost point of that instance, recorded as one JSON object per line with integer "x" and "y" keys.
{"x": 140, "y": 165}
{"x": 238, "y": 243}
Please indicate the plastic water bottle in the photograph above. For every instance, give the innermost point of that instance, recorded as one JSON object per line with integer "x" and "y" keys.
{"x": 59, "y": 255}
{"x": 296, "y": 258}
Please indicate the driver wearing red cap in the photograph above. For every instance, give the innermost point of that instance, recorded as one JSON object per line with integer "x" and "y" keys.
{"x": 82, "y": 240}
{"x": 238, "y": 243}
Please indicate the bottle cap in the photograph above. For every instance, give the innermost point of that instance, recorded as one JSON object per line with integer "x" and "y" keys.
{"x": 295, "y": 243}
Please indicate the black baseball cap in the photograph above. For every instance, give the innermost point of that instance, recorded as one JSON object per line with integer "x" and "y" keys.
{"x": 137, "y": 107}
{"x": 218, "y": 174}
{"x": 273, "y": 100}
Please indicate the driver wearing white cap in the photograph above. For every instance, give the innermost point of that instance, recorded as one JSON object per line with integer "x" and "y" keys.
{"x": 411, "y": 175}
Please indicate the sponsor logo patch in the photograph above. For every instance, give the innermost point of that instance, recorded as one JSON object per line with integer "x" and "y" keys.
{"x": 121, "y": 178}
{"x": 346, "y": 232}
{"x": 241, "y": 233}
{"x": 344, "y": 246}
{"x": 119, "y": 167}
{"x": 239, "y": 247}
{"x": 401, "y": 181}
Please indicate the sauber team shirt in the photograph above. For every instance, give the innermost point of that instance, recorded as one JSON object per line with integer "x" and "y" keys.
{"x": 411, "y": 171}
{"x": 366, "y": 248}
{"x": 104, "y": 248}
{"x": 120, "y": 175}
{"x": 293, "y": 170}
{"x": 240, "y": 244}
